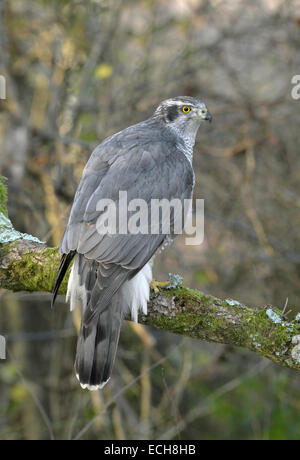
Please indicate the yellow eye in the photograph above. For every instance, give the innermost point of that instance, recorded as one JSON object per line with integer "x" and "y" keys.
{"x": 186, "y": 109}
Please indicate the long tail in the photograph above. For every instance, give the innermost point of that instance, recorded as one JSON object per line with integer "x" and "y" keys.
{"x": 98, "y": 339}
{"x": 97, "y": 346}
{"x": 99, "y": 333}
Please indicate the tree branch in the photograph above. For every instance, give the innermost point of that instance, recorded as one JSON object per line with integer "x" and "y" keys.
{"x": 28, "y": 265}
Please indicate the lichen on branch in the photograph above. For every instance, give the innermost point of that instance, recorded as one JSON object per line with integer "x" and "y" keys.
{"x": 7, "y": 232}
{"x": 201, "y": 316}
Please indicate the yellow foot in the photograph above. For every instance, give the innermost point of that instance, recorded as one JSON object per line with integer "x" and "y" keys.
{"x": 155, "y": 285}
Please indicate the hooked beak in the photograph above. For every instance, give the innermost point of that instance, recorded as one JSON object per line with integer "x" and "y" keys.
{"x": 204, "y": 115}
{"x": 208, "y": 116}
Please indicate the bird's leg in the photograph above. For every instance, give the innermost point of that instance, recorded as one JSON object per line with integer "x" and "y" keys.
{"x": 155, "y": 285}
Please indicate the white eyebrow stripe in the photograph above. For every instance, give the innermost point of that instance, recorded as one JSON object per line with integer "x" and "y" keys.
{"x": 170, "y": 103}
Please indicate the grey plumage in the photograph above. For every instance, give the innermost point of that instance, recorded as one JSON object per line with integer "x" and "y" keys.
{"x": 149, "y": 160}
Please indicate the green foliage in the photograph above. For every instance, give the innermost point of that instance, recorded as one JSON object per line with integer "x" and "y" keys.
{"x": 3, "y": 197}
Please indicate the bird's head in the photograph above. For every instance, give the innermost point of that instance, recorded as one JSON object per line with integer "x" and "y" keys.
{"x": 182, "y": 109}
{"x": 184, "y": 114}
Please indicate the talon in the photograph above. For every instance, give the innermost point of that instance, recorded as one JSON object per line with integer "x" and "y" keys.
{"x": 155, "y": 285}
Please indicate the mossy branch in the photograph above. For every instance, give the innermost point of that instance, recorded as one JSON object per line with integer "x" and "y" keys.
{"x": 27, "y": 265}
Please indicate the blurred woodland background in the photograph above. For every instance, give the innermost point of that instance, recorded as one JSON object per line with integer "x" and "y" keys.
{"x": 78, "y": 71}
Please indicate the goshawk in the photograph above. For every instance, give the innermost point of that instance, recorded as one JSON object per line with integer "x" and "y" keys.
{"x": 111, "y": 272}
